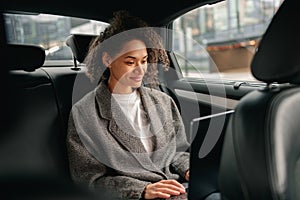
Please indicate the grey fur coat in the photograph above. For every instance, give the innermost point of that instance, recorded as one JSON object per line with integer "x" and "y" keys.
{"x": 104, "y": 151}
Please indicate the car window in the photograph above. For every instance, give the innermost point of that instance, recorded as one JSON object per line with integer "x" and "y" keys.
{"x": 48, "y": 31}
{"x": 219, "y": 40}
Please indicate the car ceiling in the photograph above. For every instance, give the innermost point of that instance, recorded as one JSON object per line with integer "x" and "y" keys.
{"x": 156, "y": 12}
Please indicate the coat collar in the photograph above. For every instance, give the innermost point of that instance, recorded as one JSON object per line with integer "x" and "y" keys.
{"x": 121, "y": 129}
{"x": 109, "y": 109}
{"x": 103, "y": 99}
{"x": 107, "y": 104}
{"x": 118, "y": 124}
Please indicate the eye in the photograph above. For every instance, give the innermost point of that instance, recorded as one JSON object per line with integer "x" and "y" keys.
{"x": 129, "y": 62}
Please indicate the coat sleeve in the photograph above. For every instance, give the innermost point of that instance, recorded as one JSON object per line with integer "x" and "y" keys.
{"x": 86, "y": 170}
{"x": 125, "y": 187}
{"x": 180, "y": 161}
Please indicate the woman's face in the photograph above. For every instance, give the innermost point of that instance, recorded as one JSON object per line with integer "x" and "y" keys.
{"x": 127, "y": 68}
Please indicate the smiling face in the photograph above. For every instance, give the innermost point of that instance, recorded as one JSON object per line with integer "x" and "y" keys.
{"x": 127, "y": 68}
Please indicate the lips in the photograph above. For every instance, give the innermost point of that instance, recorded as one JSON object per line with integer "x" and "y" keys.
{"x": 136, "y": 79}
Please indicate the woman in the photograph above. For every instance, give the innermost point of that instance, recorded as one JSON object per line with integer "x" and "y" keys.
{"x": 122, "y": 136}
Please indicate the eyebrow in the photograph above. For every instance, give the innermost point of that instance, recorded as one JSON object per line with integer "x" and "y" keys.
{"x": 135, "y": 57}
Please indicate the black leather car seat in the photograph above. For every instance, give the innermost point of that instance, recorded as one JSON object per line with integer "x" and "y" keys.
{"x": 33, "y": 141}
{"x": 261, "y": 151}
{"x": 79, "y": 44}
{"x": 32, "y": 148}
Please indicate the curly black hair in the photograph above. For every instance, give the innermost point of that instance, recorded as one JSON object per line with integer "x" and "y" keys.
{"x": 123, "y": 28}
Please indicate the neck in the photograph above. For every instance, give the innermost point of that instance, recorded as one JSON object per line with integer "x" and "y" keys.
{"x": 117, "y": 88}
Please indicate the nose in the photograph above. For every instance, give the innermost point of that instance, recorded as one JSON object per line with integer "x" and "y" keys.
{"x": 140, "y": 68}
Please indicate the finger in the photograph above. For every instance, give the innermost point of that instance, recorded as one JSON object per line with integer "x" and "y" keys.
{"x": 169, "y": 186}
{"x": 163, "y": 189}
{"x": 187, "y": 175}
{"x": 156, "y": 190}
{"x": 173, "y": 182}
{"x": 160, "y": 195}
{"x": 156, "y": 194}
{"x": 169, "y": 191}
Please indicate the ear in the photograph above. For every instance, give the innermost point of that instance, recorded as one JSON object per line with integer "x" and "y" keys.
{"x": 106, "y": 59}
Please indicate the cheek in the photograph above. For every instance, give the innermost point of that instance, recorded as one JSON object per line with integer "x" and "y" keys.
{"x": 145, "y": 67}
{"x": 120, "y": 71}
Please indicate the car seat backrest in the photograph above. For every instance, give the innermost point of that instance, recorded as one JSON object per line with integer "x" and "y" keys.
{"x": 261, "y": 151}
{"x": 34, "y": 141}
{"x": 79, "y": 44}
{"x": 33, "y": 156}
{"x": 20, "y": 56}
{"x": 41, "y": 99}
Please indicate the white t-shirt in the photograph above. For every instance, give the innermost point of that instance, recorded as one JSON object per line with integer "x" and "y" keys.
{"x": 131, "y": 105}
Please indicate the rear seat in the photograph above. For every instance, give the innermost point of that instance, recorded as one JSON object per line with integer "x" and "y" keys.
{"x": 32, "y": 149}
{"x": 29, "y": 143}
{"x": 69, "y": 86}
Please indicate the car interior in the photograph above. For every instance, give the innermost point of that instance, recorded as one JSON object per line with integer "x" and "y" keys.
{"x": 254, "y": 151}
{"x": 261, "y": 147}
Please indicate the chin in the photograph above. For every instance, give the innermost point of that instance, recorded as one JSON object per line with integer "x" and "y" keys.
{"x": 136, "y": 85}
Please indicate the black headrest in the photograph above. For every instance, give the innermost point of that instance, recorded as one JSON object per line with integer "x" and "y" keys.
{"x": 278, "y": 55}
{"x": 24, "y": 57}
{"x": 79, "y": 44}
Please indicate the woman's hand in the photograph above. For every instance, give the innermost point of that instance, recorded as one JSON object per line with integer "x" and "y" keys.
{"x": 163, "y": 189}
{"x": 187, "y": 175}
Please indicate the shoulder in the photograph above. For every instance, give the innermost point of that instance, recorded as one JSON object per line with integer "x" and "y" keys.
{"x": 156, "y": 96}
{"x": 155, "y": 93}
{"x": 85, "y": 102}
